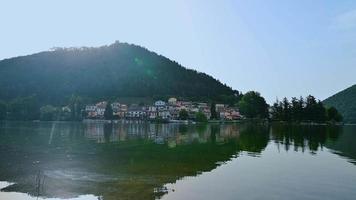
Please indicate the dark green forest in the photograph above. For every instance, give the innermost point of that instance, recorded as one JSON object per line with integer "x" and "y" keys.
{"x": 104, "y": 73}
{"x": 117, "y": 70}
{"x": 307, "y": 109}
{"x": 345, "y": 102}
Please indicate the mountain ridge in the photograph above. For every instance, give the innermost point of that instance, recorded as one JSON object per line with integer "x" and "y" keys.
{"x": 345, "y": 102}
{"x": 106, "y": 72}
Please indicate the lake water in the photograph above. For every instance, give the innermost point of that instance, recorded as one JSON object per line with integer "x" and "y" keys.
{"x": 87, "y": 161}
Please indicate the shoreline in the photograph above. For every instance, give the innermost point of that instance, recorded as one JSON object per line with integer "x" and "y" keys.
{"x": 190, "y": 122}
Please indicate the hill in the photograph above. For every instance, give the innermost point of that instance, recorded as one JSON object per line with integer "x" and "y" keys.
{"x": 345, "y": 102}
{"x": 107, "y": 72}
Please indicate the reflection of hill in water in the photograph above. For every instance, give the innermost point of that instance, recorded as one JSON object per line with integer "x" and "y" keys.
{"x": 304, "y": 138}
{"x": 120, "y": 161}
{"x": 340, "y": 140}
{"x": 345, "y": 145}
{"x": 134, "y": 161}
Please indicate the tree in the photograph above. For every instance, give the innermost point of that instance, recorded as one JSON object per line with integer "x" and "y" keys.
{"x": 294, "y": 115}
{"x": 277, "y": 110}
{"x": 183, "y": 114}
{"x": 213, "y": 112}
{"x": 286, "y": 110}
{"x": 48, "y": 113}
{"x": 310, "y": 108}
{"x": 252, "y": 105}
{"x": 333, "y": 114}
{"x": 26, "y": 108}
{"x": 108, "y": 114}
{"x": 320, "y": 115}
{"x": 200, "y": 117}
{"x": 76, "y": 106}
{"x": 299, "y": 110}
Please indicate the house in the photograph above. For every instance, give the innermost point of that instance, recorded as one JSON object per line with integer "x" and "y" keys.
{"x": 219, "y": 107}
{"x": 119, "y": 109}
{"x": 159, "y": 103}
{"x": 90, "y": 108}
{"x": 202, "y": 106}
{"x": 186, "y": 103}
{"x": 223, "y": 115}
{"x": 135, "y": 112}
{"x": 116, "y": 109}
{"x": 235, "y": 115}
{"x": 152, "y": 109}
{"x": 172, "y": 101}
{"x": 66, "y": 109}
{"x": 207, "y": 113}
{"x": 174, "y": 111}
{"x": 100, "y": 109}
{"x": 90, "y": 111}
{"x": 159, "y": 110}
{"x": 152, "y": 115}
{"x": 164, "y": 114}
{"x": 66, "y": 113}
{"x": 115, "y": 106}
{"x": 230, "y": 114}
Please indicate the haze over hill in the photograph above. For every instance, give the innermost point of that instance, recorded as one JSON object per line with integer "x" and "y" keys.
{"x": 107, "y": 72}
{"x": 345, "y": 102}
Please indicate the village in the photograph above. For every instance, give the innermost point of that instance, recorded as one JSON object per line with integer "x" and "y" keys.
{"x": 170, "y": 111}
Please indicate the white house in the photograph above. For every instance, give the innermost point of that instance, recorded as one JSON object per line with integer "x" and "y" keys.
{"x": 160, "y": 103}
{"x": 135, "y": 114}
{"x": 164, "y": 114}
{"x": 219, "y": 107}
{"x": 152, "y": 109}
{"x": 172, "y": 101}
{"x": 152, "y": 115}
{"x": 90, "y": 108}
{"x": 100, "y": 108}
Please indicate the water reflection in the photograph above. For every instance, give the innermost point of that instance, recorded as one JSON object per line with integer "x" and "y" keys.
{"x": 304, "y": 138}
{"x": 132, "y": 160}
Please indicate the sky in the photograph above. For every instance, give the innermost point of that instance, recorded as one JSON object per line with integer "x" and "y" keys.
{"x": 279, "y": 48}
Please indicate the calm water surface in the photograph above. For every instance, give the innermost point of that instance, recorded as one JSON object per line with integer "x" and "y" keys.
{"x": 85, "y": 161}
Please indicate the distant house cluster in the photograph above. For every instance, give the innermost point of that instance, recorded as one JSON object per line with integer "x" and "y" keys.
{"x": 169, "y": 110}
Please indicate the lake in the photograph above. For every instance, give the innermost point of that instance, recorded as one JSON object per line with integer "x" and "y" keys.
{"x": 132, "y": 160}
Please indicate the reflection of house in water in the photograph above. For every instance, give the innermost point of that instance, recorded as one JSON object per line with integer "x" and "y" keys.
{"x": 110, "y": 171}
{"x": 94, "y": 131}
{"x": 170, "y": 134}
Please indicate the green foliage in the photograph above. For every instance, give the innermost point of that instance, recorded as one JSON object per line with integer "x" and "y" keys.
{"x": 344, "y": 102}
{"x": 252, "y": 105}
{"x": 300, "y": 110}
{"x": 108, "y": 114}
{"x": 200, "y": 117}
{"x": 76, "y": 105}
{"x": 183, "y": 114}
{"x": 49, "y": 113}
{"x": 213, "y": 112}
{"x": 333, "y": 114}
{"x": 108, "y": 72}
{"x": 230, "y": 100}
{"x": 26, "y": 108}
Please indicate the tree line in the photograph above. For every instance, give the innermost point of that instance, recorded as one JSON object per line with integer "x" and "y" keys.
{"x": 303, "y": 110}
{"x": 29, "y": 108}
{"x": 251, "y": 105}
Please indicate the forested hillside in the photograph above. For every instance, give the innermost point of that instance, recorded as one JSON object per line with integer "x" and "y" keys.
{"x": 345, "y": 102}
{"x": 108, "y": 72}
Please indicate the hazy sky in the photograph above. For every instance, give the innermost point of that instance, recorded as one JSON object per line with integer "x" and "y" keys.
{"x": 279, "y": 48}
